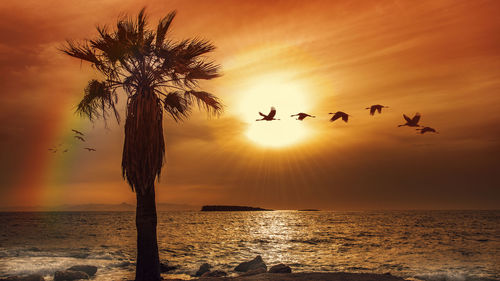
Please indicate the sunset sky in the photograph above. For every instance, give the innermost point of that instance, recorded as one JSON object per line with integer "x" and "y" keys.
{"x": 438, "y": 58}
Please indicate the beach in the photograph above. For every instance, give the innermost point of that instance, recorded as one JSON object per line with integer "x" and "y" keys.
{"x": 339, "y": 276}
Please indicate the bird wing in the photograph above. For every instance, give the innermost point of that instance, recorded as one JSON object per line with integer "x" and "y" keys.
{"x": 272, "y": 113}
{"x": 335, "y": 117}
{"x": 379, "y": 109}
{"x": 416, "y": 118}
{"x": 408, "y": 119}
{"x": 372, "y": 110}
{"x": 345, "y": 117}
{"x": 262, "y": 114}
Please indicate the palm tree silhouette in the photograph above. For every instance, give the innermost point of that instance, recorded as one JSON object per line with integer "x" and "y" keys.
{"x": 157, "y": 75}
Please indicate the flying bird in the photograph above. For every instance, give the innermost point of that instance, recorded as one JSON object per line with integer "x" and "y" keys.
{"x": 413, "y": 122}
{"x": 54, "y": 150}
{"x": 376, "y": 107}
{"x": 80, "y": 138}
{"x": 268, "y": 117}
{"x": 427, "y": 129}
{"x": 65, "y": 151}
{"x": 339, "y": 114}
{"x": 89, "y": 149}
{"x": 302, "y": 116}
{"x": 77, "y": 132}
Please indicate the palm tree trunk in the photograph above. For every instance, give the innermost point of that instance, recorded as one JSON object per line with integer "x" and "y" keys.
{"x": 148, "y": 262}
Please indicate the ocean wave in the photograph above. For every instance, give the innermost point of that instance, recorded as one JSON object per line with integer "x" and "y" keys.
{"x": 47, "y": 266}
{"x": 312, "y": 241}
{"x": 80, "y": 253}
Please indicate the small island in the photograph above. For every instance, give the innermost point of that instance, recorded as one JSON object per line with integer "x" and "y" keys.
{"x": 225, "y": 208}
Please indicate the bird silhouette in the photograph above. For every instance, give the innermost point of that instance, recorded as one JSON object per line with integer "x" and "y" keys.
{"x": 427, "y": 129}
{"x": 268, "y": 117}
{"x": 302, "y": 116}
{"x": 339, "y": 114}
{"x": 376, "y": 107}
{"x": 77, "y": 132}
{"x": 65, "y": 151}
{"x": 80, "y": 138}
{"x": 90, "y": 149}
{"x": 413, "y": 122}
{"x": 53, "y": 150}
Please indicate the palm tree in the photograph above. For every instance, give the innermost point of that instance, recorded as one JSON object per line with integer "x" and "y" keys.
{"x": 156, "y": 74}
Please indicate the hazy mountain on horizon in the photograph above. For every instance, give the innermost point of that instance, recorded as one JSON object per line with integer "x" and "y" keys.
{"x": 122, "y": 207}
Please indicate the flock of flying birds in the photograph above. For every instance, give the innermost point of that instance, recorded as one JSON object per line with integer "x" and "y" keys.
{"x": 77, "y": 135}
{"x": 410, "y": 122}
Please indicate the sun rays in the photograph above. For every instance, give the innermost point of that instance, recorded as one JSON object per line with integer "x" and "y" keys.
{"x": 289, "y": 97}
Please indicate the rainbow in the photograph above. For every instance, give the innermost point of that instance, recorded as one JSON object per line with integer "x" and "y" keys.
{"x": 39, "y": 182}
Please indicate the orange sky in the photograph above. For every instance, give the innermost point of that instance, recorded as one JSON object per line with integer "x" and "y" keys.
{"x": 439, "y": 58}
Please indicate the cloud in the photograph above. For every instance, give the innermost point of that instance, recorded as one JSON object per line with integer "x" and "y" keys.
{"x": 436, "y": 58}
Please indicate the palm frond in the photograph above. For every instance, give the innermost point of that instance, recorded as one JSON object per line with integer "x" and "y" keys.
{"x": 210, "y": 103}
{"x": 81, "y": 51}
{"x": 197, "y": 47}
{"x": 162, "y": 29}
{"x": 110, "y": 48}
{"x": 141, "y": 22}
{"x": 203, "y": 71}
{"x": 98, "y": 100}
{"x": 177, "y": 106}
{"x": 125, "y": 30}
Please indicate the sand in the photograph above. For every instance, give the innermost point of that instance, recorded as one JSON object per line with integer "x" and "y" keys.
{"x": 337, "y": 276}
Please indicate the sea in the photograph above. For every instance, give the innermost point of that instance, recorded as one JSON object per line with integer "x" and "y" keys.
{"x": 417, "y": 245}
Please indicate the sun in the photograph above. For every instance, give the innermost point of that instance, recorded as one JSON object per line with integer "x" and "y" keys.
{"x": 288, "y": 97}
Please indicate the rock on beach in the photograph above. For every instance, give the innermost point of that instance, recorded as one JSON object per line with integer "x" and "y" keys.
{"x": 68, "y": 275}
{"x": 256, "y": 263}
{"x": 89, "y": 269}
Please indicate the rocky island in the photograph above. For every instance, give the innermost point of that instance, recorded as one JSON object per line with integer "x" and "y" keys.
{"x": 226, "y": 208}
